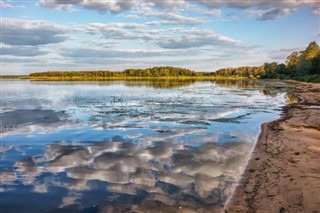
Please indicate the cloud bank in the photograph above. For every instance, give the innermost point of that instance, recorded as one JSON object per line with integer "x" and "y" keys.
{"x": 118, "y": 6}
{"x": 35, "y": 32}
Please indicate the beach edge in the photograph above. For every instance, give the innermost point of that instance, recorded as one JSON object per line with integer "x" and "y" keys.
{"x": 283, "y": 172}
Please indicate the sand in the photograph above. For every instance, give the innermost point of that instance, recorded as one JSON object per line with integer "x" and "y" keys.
{"x": 283, "y": 174}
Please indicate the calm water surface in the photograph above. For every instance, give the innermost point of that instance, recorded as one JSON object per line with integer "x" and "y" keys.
{"x": 161, "y": 146}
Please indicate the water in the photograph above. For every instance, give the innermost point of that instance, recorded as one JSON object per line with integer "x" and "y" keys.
{"x": 157, "y": 146}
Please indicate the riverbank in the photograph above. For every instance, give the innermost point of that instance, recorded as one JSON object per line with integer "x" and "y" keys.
{"x": 283, "y": 174}
{"x": 134, "y": 78}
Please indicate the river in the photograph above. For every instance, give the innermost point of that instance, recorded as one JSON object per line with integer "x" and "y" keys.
{"x": 129, "y": 146}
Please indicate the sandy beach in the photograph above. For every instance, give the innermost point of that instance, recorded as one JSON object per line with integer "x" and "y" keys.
{"x": 283, "y": 174}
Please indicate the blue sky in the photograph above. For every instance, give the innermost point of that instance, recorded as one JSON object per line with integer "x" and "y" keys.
{"x": 202, "y": 35}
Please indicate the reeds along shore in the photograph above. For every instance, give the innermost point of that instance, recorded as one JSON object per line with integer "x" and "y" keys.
{"x": 283, "y": 174}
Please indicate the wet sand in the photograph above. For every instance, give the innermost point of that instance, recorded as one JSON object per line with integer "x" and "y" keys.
{"x": 283, "y": 174}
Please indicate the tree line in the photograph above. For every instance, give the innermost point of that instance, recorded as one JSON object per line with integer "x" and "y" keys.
{"x": 167, "y": 71}
{"x": 302, "y": 66}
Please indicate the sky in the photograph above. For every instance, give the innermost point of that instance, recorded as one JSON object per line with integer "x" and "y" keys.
{"x": 202, "y": 35}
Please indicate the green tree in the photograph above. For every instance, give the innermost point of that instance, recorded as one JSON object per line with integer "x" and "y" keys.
{"x": 312, "y": 51}
{"x": 293, "y": 60}
{"x": 315, "y": 65}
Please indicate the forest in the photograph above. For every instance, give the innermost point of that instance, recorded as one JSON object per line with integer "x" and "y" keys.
{"x": 301, "y": 66}
{"x": 128, "y": 73}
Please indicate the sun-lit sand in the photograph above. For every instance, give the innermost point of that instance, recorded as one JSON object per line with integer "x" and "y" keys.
{"x": 283, "y": 174}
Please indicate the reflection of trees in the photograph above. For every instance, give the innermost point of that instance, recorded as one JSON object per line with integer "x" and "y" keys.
{"x": 274, "y": 87}
{"x": 265, "y": 87}
{"x": 161, "y": 83}
{"x": 175, "y": 83}
{"x": 241, "y": 83}
{"x": 167, "y": 84}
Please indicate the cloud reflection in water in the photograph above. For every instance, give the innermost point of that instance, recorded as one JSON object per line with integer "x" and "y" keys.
{"x": 111, "y": 148}
{"x": 173, "y": 175}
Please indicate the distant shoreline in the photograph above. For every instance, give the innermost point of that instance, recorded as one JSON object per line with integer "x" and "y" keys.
{"x": 283, "y": 173}
{"x": 14, "y": 76}
{"x": 303, "y": 66}
{"x": 121, "y": 78}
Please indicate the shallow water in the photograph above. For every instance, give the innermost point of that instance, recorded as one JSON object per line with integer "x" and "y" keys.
{"x": 128, "y": 146}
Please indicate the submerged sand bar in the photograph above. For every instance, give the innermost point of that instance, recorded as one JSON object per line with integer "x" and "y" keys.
{"x": 283, "y": 174}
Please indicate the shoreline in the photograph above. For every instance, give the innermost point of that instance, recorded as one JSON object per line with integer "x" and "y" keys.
{"x": 128, "y": 78}
{"x": 283, "y": 172}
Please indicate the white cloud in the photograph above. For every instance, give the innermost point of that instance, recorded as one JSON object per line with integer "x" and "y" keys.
{"x": 196, "y": 38}
{"x": 213, "y": 12}
{"x": 132, "y": 16}
{"x": 102, "y": 53}
{"x": 111, "y": 31}
{"x": 172, "y": 16}
{"x": 59, "y": 5}
{"x": 173, "y": 38}
{"x": 6, "y": 5}
{"x": 120, "y": 25}
{"x": 94, "y": 42}
{"x": 103, "y": 45}
{"x": 316, "y": 12}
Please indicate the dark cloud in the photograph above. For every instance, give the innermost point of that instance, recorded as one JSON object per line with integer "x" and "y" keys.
{"x": 257, "y": 3}
{"x": 275, "y": 13}
{"x": 100, "y": 6}
{"x": 25, "y": 32}
{"x": 22, "y": 51}
{"x": 105, "y": 6}
{"x": 168, "y": 3}
{"x": 273, "y": 9}
{"x": 117, "y": 6}
{"x": 16, "y": 60}
{"x": 23, "y": 119}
